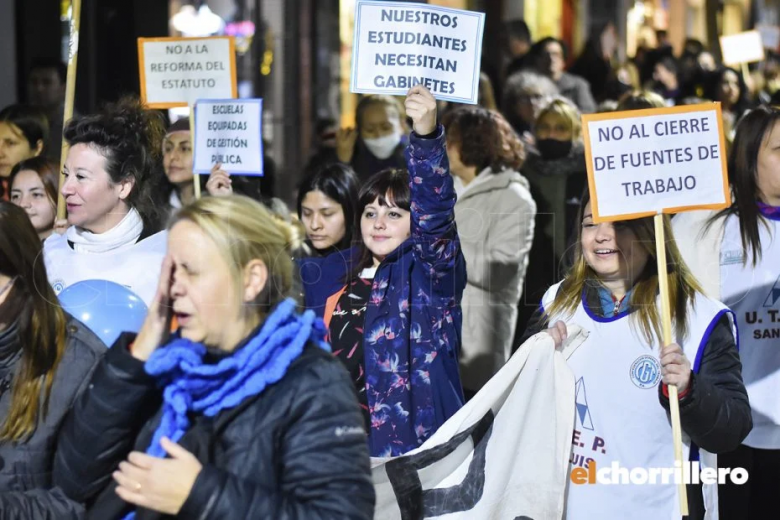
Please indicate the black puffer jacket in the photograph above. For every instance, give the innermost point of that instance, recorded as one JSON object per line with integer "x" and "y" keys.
{"x": 26, "y": 490}
{"x": 296, "y": 451}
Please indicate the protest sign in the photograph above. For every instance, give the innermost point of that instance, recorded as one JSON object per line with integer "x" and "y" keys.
{"x": 229, "y": 132}
{"x": 400, "y": 45}
{"x": 175, "y": 72}
{"x": 745, "y": 47}
{"x": 643, "y": 162}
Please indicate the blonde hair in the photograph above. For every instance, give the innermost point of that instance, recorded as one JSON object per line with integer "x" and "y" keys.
{"x": 244, "y": 230}
{"x": 639, "y": 99}
{"x": 564, "y": 109}
{"x": 379, "y": 99}
{"x": 682, "y": 284}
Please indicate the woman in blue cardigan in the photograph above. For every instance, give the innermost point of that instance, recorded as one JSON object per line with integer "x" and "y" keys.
{"x": 393, "y": 303}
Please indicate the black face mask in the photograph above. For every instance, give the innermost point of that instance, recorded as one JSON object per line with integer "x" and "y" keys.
{"x": 553, "y": 148}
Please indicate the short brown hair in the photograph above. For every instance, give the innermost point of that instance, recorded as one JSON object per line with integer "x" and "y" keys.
{"x": 484, "y": 137}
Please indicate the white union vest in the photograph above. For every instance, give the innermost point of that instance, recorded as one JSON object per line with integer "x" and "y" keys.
{"x": 619, "y": 417}
{"x": 753, "y": 293}
{"x": 136, "y": 267}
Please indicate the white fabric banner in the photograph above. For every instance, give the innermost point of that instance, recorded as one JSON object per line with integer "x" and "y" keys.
{"x": 504, "y": 455}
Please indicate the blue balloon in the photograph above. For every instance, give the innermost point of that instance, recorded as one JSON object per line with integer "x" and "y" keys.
{"x": 107, "y": 308}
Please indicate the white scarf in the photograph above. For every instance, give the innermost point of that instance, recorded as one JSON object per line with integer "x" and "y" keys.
{"x": 125, "y": 233}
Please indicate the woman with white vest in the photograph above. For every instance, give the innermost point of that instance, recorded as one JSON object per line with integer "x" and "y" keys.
{"x": 736, "y": 254}
{"x": 113, "y": 174}
{"x": 495, "y": 217}
{"x": 622, "y": 370}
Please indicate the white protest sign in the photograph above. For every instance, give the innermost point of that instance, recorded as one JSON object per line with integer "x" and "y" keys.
{"x": 745, "y": 47}
{"x": 643, "y": 162}
{"x": 229, "y": 131}
{"x": 399, "y": 45}
{"x": 770, "y": 36}
{"x": 176, "y": 72}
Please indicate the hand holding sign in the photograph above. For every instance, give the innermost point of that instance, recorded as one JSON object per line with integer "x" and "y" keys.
{"x": 421, "y": 108}
{"x": 219, "y": 183}
{"x": 675, "y": 367}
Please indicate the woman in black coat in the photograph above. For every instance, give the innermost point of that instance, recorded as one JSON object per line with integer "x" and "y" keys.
{"x": 46, "y": 358}
{"x": 256, "y": 417}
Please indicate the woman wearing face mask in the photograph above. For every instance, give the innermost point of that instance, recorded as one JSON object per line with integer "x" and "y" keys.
{"x": 46, "y": 358}
{"x": 556, "y": 172}
{"x": 24, "y": 130}
{"x": 622, "y": 370}
{"x": 495, "y": 217}
{"x": 326, "y": 207}
{"x": 736, "y": 254}
{"x": 257, "y": 418}
{"x": 379, "y": 141}
{"x": 34, "y": 188}
{"x": 113, "y": 178}
{"x": 396, "y": 322}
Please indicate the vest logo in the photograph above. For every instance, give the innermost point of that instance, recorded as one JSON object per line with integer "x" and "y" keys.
{"x": 774, "y": 294}
{"x": 58, "y": 286}
{"x": 731, "y": 257}
{"x": 581, "y": 403}
{"x": 645, "y": 371}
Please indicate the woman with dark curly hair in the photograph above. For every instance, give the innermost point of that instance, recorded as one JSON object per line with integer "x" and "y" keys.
{"x": 113, "y": 175}
{"x": 495, "y": 217}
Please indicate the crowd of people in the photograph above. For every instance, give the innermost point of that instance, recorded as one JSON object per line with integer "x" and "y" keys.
{"x": 283, "y": 349}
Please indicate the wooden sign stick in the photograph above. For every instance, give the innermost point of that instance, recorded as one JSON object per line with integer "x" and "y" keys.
{"x": 666, "y": 320}
{"x": 70, "y": 94}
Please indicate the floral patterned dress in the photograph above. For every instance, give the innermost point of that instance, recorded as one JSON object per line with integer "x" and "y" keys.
{"x": 346, "y": 336}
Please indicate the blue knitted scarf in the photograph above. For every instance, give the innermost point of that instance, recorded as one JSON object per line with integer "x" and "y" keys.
{"x": 190, "y": 386}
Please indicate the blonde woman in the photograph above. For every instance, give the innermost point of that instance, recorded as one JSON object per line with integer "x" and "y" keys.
{"x": 379, "y": 139}
{"x": 557, "y": 175}
{"x": 622, "y": 369}
{"x": 244, "y": 421}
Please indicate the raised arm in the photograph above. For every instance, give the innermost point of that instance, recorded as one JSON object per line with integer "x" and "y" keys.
{"x": 436, "y": 243}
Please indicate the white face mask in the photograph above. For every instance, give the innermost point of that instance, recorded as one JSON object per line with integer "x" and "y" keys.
{"x": 383, "y": 147}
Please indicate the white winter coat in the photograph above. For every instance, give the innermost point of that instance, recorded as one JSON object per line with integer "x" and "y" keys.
{"x": 495, "y": 217}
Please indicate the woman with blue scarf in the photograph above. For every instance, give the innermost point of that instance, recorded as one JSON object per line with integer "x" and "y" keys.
{"x": 228, "y": 418}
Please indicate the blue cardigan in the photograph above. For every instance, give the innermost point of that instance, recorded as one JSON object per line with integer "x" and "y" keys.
{"x": 413, "y": 320}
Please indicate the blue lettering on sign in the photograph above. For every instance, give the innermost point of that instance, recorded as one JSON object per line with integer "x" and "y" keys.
{"x": 645, "y": 371}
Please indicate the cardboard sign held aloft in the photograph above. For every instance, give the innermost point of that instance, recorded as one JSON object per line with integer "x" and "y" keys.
{"x": 745, "y": 47}
{"x": 229, "y": 132}
{"x": 643, "y": 162}
{"x": 175, "y": 72}
{"x": 400, "y": 45}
